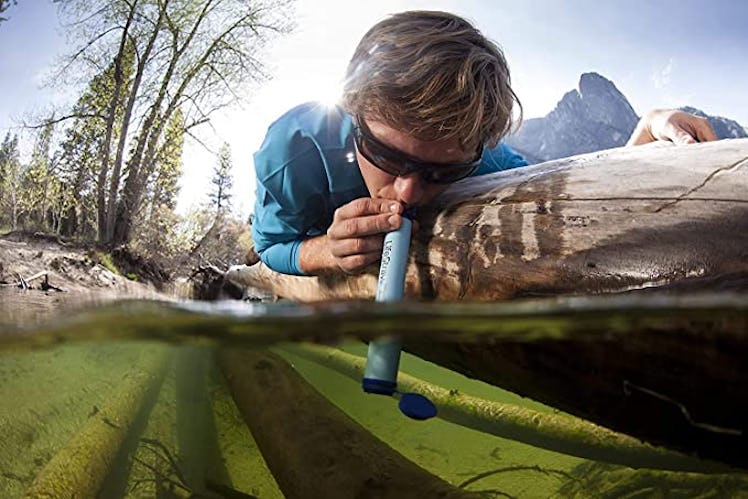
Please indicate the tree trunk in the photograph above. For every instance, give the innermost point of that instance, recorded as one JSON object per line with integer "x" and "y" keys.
{"x": 313, "y": 448}
{"x": 555, "y": 432}
{"x": 150, "y": 135}
{"x": 106, "y": 149}
{"x": 114, "y": 181}
{"x": 607, "y": 222}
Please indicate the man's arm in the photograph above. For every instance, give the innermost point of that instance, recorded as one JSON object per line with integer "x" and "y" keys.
{"x": 674, "y": 126}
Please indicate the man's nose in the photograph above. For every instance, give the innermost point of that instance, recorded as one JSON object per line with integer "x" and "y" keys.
{"x": 409, "y": 188}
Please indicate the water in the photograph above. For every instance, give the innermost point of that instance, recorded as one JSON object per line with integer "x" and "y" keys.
{"x": 153, "y": 399}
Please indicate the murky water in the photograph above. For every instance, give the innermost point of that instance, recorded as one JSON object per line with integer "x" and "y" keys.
{"x": 231, "y": 399}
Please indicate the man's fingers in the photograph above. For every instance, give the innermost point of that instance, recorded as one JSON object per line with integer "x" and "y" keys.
{"x": 683, "y": 137}
{"x": 359, "y": 245}
{"x": 704, "y": 131}
{"x": 677, "y": 134}
{"x": 364, "y": 226}
{"x": 367, "y": 206}
{"x": 356, "y": 263}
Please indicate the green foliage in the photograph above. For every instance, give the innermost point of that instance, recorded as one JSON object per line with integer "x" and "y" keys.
{"x": 180, "y": 243}
{"x": 105, "y": 259}
{"x": 10, "y": 181}
{"x": 222, "y": 180}
{"x": 169, "y": 164}
{"x": 194, "y": 58}
{"x": 132, "y": 276}
{"x": 38, "y": 184}
{"x": 161, "y": 238}
{"x": 150, "y": 71}
{"x": 80, "y": 169}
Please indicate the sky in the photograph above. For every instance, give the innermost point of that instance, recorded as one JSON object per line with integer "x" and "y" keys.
{"x": 666, "y": 53}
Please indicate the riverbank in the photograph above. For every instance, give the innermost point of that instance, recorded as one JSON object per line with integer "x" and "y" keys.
{"x": 41, "y": 274}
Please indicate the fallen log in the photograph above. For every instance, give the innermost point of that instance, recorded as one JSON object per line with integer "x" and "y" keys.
{"x": 607, "y": 222}
{"x": 79, "y": 469}
{"x": 312, "y": 448}
{"x": 652, "y": 219}
{"x": 555, "y": 432}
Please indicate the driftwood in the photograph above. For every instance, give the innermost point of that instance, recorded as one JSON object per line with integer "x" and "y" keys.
{"x": 555, "y": 432}
{"x": 314, "y": 449}
{"x": 652, "y": 219}
{"x": 608, "y": 222}
{"x": 79, "y": 469}
{"x": 24, "y": 282}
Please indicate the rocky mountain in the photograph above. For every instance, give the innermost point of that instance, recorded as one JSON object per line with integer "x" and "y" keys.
{"x": 594, "y": 117}
{"x": 724, "y": 128}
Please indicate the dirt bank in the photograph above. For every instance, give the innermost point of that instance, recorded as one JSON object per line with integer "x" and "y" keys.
{"x": 40, "y": 274}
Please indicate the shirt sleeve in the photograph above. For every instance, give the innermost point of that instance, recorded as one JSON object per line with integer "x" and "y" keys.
{"x": 290, "y": 189}
{"x": 501, "y": 157}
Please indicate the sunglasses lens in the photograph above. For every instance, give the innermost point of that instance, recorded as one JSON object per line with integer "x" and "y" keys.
{"x": 379, "y": 156}
{"x": 394, "y": 163}
{"x": 447, "y": 174}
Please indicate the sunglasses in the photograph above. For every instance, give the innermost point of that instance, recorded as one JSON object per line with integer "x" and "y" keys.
{"x": 395, "y": 163}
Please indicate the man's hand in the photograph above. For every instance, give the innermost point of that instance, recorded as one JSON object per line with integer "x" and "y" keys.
{"x": 355, "y": 238}
{"x": 675, "y": 126}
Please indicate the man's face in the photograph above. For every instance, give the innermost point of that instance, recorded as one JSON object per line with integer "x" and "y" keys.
{"x": 410, "y": 189}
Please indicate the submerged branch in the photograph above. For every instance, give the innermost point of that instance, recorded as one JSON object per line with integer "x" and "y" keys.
{"x": 555, "y": 432}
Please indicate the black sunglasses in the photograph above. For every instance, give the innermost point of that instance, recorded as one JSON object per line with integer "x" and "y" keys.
{"x": 394, "y": 162}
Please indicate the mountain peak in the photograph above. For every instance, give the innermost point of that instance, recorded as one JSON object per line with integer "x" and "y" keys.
{"x": 596, "y": 116}
{"x": 593, "y": 117}
{"x": 593, "y": 79}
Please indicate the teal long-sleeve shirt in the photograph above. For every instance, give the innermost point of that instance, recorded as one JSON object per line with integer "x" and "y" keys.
{"x": 306, "y": 168}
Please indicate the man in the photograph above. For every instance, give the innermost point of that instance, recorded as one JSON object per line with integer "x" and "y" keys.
{"x": 426, "y": 100}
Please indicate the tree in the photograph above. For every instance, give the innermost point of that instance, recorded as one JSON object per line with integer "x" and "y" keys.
{"x": 10, "y": 177}
{"x": 193, "y": 55}
{"x": 81, "y": 157}
{"x": 169, "y": 164}
{"x": 158, "y": 236}
{"x": 222, "y": 181}
{"x": 38, "y": 180}
{"x": 4, "y": 4}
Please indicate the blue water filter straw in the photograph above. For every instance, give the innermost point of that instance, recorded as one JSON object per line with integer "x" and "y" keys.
{"x": 383, "y": 357}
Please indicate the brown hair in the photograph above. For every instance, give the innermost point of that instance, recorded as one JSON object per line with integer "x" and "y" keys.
{"x": 433, "y": 75}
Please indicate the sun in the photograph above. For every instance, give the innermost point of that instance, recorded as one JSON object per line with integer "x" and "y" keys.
{"x": 327, "y": 92}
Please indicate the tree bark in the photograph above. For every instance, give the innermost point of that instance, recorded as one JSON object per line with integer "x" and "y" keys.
{"x": 106, "y": 149}
{"x": 114, "y": 181}
{"x": 150, "y": 135}
{"x": 608, "y": 222}
{"x": 314, "y": 449}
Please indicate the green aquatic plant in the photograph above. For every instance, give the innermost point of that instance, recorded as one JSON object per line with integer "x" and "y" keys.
{"x": 558, "y": 474}
{"x": 606, "y": 481}
{"x": 173, "y": 481}
{"x": 79, "y": 469}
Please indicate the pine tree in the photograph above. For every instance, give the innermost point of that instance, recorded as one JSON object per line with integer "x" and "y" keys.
{"x": 38, "y": 180}
{"x": 82, "y": 172}
{"x": 169, "y": 164}
{"x": 10, "y": 179}
{"x": 156, "y": 235}
{"x": 223, "y": 181}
